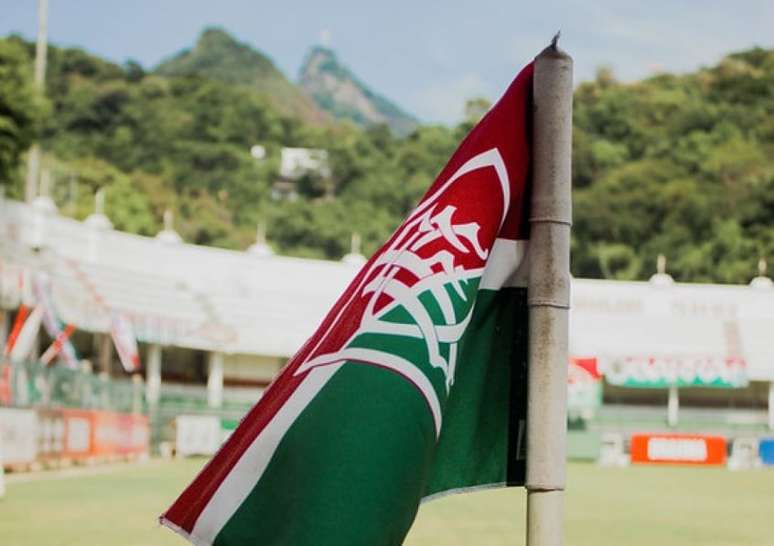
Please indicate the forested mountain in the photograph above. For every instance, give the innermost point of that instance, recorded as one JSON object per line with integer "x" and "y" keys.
{"x": 218, "y": 56}
{"x": 337, "y": 91}
{"x": 675, "y": 164}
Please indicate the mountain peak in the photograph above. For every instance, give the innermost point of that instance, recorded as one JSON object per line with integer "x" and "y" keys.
{"x": 336, "y": 90}
{"x": 220, "y": 56}
{"x": 322, "y": 50}
{"x": 218, "y": 39}
{"x": 218, "y": 33}
{"x": 217, "y": 54}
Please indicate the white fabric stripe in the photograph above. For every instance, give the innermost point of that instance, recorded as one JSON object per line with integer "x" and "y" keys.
{"x": 507, "y": 265}
{"x": 446, "y": 333}
{"x": 489, "y": 158}
{"x": 238, "y": 484}
{"x": 392, "y": 362}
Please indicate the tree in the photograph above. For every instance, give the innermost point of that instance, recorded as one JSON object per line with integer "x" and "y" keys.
{"x": 20, "y": 109}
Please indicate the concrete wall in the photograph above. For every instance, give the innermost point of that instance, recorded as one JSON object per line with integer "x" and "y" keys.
{"x": 239, "y": 369}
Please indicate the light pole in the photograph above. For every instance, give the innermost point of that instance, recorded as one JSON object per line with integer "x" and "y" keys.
{"x": 41, "y": 48}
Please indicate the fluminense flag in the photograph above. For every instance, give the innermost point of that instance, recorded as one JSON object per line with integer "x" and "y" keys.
{"x": 413, "y": 386}
{"x": 122, "y": 332}
{"x": 27, "y": 337}
{"x": 41, "y": 286}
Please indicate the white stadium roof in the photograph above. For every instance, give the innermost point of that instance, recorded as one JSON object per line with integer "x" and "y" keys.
{"x": 258, "y": 303}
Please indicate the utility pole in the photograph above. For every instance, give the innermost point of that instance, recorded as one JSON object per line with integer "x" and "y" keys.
{"x": 41, "y": 49}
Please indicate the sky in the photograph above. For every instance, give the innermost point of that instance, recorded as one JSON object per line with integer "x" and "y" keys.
{"x": 427, "y": 56}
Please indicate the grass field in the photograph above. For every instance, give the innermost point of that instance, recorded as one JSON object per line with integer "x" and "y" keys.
{"x": 605, "y": 507}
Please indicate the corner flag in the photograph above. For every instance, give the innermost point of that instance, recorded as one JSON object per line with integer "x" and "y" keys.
{"x": 413, "y": 386}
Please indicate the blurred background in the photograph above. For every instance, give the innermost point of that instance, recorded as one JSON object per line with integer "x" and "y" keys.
{"x": 186, "y": 187}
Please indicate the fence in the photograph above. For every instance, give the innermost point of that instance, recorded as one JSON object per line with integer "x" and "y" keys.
{"x": 33, "y": 384}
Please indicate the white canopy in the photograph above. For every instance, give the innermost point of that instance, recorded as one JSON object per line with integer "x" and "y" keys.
{"x": 712, "y": 324}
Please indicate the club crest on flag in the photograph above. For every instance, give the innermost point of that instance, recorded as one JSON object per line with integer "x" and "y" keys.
{"x": 422, "y": 285}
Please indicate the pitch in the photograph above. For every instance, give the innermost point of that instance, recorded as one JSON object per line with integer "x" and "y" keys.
{"x": 642, "y": 506}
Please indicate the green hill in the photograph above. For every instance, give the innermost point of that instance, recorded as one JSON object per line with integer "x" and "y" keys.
{"x": 676, "y": 164}
{"x": 339, "y": 92}
{"x": 217, "y": 55}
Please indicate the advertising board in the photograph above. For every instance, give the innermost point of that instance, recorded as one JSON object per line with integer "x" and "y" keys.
{"x": 678, "y": 449}
{"x": 663, "y": 371}
{"x": 197, "y": 435}
{"x": 96, "y": 434}
{"x": 766, "y": 451}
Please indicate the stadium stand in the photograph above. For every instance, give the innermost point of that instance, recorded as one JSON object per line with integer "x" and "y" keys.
{"x": 215, "y": 326}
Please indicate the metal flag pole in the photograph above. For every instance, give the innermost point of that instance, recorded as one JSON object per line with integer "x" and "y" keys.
{"x": 549, "y": 296}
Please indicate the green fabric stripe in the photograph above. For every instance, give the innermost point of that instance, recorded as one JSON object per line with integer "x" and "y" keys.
{"x": 514, "y": 307}
{"x": 478, "y": 443}
{"x": 350, "y": 471}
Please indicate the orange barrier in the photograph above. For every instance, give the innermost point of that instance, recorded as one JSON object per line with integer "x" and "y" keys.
{"x": 51, "y": 436}
{"x": 95, "y": 433}
{"x": 679, "y": 449}
{"x": 119, "y": 434}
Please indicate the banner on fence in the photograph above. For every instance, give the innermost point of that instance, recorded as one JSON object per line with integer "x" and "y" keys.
{"x": 122, "y": 332}
{"x": 119, "y": 434}
{"x": 584, "y": 388}
{"x": 96, "y": 434}
{"x": 18, "y": 436}
{"x": 54, "y": 327}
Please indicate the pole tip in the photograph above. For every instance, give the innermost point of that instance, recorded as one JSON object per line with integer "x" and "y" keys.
{"x": 553, "y": 50}
{"x": 555, "y": 40}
